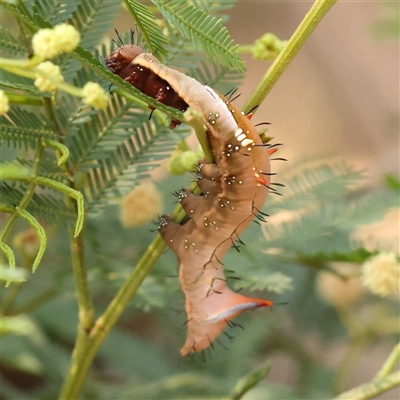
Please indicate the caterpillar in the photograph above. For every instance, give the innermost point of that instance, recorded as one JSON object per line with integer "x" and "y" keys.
{"x": 234, "y": 189}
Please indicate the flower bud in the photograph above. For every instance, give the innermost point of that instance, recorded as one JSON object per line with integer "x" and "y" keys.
{"x": 44, "y": 84}
{"x": 381, "y": 274}
{"x": 49, "y": 43}
{"x": 67, "y": 37}
{"x": 95, "y": 96}
{"x": 268, "y": 47}
{"x": 44, "y": 44}
{"x": 189, "y": 160}
{"x": 175, "y": 166}
{"x": 4, "y": 104}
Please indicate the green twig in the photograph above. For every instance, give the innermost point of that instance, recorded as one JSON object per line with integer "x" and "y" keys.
{"x": 19, "y": 210}
{"x": 32, "y": 221}
{"x": 86, "y": 348}
{"x": 85, "y": 302}
{"x": 25, "y": 99}
{"x": 26, "y": 198}
{"x": 372, "y": 389}
{"x": 389, "y": 363}
{"x": 304, "y": 30}
{"x": 347, "y": 364}
{"x": 84, "y": 299}
{"x": 6, "y": 249}
{"x": 75, "y": 194}
{"x": 193, "y": 118}
{"x": 62, "y": 151}
{"x": 249, "y": 381}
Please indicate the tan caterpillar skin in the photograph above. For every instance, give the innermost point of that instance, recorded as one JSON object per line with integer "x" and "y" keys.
{"x": 234, "y": 190}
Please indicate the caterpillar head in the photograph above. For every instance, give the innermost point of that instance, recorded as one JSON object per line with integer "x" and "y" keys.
{"x": 120, "y": 59}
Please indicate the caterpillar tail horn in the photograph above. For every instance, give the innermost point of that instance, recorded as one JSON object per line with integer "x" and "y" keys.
{"x": 210, "y": 316}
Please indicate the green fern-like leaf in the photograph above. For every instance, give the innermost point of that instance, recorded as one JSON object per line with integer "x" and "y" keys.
{"x": 104, "y": 132}
{"x": 46, "y": 207}
{"x": 51, "y": 209}
{"x": 327, "y": 227}
{"x": 25, "y": 130}
{"x": 311, "y": 181}
{"x": 10, "y": 81}
{"x": 220, "y": 78}
{"x": 216, "y": 8}
{"x": 11, "y": 193}
{"x": 48, "y": 166}
{"x": 258, "y": 279}
{"x": 149, "y": 30}
{"x": 181, "y": 51}
{"x": 128, "y": 164}
{"x": 10, "y": 45}
{"x": 204, "y": 30}
{"x": 56, "y": 11}
{"x": 93, "y": 18}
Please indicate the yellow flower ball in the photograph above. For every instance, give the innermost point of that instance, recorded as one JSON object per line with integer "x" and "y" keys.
{"x": 141, "y": 205}
{"x": 67, "y": 37}
{"x": 381, "y": 274}
{"x": 51, "y": 69}
{"x": 49, "y": 43}
{"x": 4, "y": 104}
{"x": 44, "y": 44}
{"x": 95, "y": 96}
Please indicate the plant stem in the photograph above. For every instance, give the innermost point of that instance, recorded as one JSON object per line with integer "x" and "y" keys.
{"x": 248, "y": 381}
{"x": 87, "y": 345}
{"x": 303, "y": 31}
{"x": 347, "y": 365}
{"x": 372, "y": 389}
{"x": 84, "y": 299}
{"x": 85, "y": 303}
{"x": 25, "y": 99}
{"x": 86, "y": 313}
{"x": 389, "y": 363}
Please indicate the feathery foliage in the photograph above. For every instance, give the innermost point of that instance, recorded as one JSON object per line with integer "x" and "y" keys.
{"x": 62, "y": 160}
{"x": 10, "y": 45}
{"x": 26, "y": 130}
{"x": 204, "y": 30}
{"x": 149, "y": 30}
{"x": 55, "y": 12}
{"x": 93, "y": 18}
{"x": 115, "y": 175}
